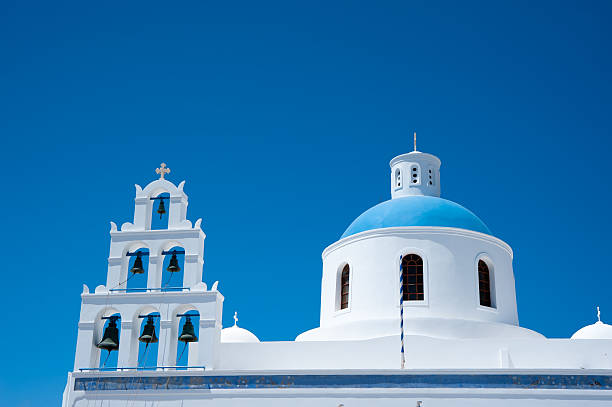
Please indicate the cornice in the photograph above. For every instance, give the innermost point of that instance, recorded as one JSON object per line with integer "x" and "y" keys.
{"x": 416, "y": 230}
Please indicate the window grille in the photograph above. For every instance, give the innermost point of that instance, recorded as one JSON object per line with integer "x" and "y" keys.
{"x": 484, "y": 284}
{"x": 412, "y": 269}
{"x": 344, "y": 287}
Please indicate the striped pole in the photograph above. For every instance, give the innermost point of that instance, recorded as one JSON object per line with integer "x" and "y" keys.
{"x": 403, "y": 360}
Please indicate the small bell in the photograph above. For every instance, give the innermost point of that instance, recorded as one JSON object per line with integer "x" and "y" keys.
{"x": 188, "y": 332}
{"x": 110, "y": 339}
{"x": 161, "y": 209}
{"x": 148, "y": 333}
{"x": 173, "y": 266}
{"x": 137, "y": 267}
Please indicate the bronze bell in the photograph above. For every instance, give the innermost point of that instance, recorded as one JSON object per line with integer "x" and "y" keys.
{"x": 188, "y": 332}
{"x": 173, "y": 267}
{"x": 148, "y": 333}
{"x": 161, "y": 209}
{"x": 110, "y": 339}
{"x": 137, "y": 267}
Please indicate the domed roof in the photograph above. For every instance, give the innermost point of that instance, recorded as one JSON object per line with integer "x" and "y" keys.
{"x": 237, "y": 334}
{"x": 416, "y": 211}
{"x": 598, "y": 330}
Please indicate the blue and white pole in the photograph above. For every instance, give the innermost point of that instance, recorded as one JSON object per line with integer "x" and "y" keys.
{"x": 401, "y": 279}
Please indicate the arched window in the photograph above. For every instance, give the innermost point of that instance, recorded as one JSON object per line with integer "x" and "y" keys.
{"x": 398, "y": 178}
{"x": 484, "y": 284}
{"x": 344, "y": 287}
{"x": 412, "y": 272}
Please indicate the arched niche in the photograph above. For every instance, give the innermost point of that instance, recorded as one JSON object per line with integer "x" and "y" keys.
{"x": 171, "y": 280}
{"x": 147, "y": 352}
{"x": 130, "y": 279}
{"x": 99, "y": 326}
{"x": 159, "y": 214}
{"x": 184, "y": 354}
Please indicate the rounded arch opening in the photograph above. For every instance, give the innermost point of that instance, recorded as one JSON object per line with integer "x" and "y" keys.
{"x": 486, "y": 291}
{"x": 98, "y": 355}
{"x": 343, "y": 285}
{"x": 413, "y": 288}
{"x": 173, "y": 267}
{"x": 188, "y": 336}
{"x": 111, "y": 332}
{"x": 135, "y": 275}
{"x": 148, "y": 339}
{"x": 160, "y": 210}
{"x": 398, "y": 178}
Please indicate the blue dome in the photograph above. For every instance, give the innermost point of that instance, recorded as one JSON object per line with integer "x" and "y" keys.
{"x": 416, "y": 211}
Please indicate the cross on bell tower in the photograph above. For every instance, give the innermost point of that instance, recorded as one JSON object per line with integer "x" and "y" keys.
{"x": 162, "y": 170}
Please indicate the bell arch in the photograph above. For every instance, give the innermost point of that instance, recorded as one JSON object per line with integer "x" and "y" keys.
{"x": 99, "y": 326}
{"x": 137, "y": 347}
{"x": 135, "y": 268}
{"x": 184, "y": 336}
{"x": 172, "y": 272}
{"x": 159, "y": 213}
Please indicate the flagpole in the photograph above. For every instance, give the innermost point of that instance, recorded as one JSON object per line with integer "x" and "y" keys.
{"x": 401, "y": 279}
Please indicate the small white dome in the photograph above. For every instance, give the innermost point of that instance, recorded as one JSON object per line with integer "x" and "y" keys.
{"x": 598, "y": 330}
{"x": 237, "y": 334}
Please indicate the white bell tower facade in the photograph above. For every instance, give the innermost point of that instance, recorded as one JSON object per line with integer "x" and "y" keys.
{"x": 168, "y": 304}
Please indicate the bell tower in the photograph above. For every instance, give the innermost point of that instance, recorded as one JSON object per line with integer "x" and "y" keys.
{"x": 184, "y": 312}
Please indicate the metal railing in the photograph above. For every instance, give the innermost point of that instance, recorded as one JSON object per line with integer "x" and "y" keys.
{"x": 111, "y": 369}
{"x": 150, "y": 289}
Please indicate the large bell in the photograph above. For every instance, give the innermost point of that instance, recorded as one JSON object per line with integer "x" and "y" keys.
{"x": 110, "y": 339}
{"x": 188, "y": 332}
{"x": 137, "y": 267}
{"x": 173, "y": 267}
{"x": 161, "y": 209}
{"x": 148, "y": 333}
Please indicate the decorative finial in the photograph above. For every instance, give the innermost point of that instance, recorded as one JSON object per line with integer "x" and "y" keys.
{"x": 162, "y": 170}
{"x": 235, "y": 318}
{"x": 598, "y": 315}
{"x": 415, "y": 141}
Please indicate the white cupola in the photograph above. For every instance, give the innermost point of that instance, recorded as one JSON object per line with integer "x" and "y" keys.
{"x": 235, "y": 334}
{"x": 415, "y": 173}
{"x": 598, "y": 330}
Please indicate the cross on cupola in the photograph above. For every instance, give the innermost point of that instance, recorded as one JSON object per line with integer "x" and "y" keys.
{"x": 162, "y": 170}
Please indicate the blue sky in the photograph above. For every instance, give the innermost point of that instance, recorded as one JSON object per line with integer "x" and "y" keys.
{"x": 283, "y": 118}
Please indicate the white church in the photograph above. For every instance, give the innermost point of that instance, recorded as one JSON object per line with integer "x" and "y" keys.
{"x": 418, "y": 308}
